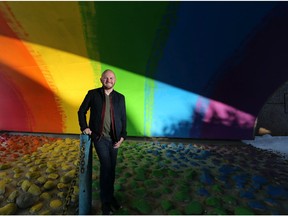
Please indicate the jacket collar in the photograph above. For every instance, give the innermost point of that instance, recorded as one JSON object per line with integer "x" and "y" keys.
{"x": 103, "y": 92}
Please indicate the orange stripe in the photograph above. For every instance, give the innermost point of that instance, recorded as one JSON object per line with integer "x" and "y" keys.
{"x": 44, "y": 112}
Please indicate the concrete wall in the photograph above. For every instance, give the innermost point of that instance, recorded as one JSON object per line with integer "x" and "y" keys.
{"x": 273, "y": 117}
{"x": 187, "y": 69}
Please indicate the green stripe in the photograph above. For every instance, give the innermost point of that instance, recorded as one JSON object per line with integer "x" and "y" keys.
{"x": 121, "y": 35}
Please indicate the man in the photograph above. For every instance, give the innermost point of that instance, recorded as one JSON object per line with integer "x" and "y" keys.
{"x": 107, "y": 128}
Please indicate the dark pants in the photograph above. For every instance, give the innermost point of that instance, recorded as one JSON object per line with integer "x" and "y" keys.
{"x": 107, "y": 156}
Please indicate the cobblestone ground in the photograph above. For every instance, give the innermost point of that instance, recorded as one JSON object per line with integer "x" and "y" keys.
{"x": 151, "y": 177}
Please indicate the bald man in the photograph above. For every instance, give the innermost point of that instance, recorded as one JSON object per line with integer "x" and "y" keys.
{"x": 107, "y": 128}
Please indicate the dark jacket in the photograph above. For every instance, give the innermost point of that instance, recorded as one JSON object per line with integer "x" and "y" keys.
{"x": 95, "y": 101}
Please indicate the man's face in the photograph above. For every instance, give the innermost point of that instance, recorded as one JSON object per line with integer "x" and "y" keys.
{"x": 108, "y": 80}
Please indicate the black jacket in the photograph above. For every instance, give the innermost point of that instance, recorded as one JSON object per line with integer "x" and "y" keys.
{"x": 95, "y": 101}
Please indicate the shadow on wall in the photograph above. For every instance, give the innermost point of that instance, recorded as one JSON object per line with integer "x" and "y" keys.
{"x": 23, "y": 101}
{"x": 29, "y": 106}
{"x": 13, "y": 108}
{"x": 216, "y": 121}
{"x": 26, "y": 104}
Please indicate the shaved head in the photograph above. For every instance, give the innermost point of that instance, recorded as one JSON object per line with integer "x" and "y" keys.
{"x": 108, "y": 79}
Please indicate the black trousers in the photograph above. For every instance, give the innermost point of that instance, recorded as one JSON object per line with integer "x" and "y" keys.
{"x": 107, "y": 155}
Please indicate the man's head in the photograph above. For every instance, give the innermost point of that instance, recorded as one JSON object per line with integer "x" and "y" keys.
{"x": 108, "y": 79}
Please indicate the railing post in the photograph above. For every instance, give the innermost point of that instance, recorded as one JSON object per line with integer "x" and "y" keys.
{"x": 85, "y": 176}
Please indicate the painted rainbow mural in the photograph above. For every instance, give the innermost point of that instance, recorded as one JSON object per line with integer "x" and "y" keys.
{"x": 187, "y": 69}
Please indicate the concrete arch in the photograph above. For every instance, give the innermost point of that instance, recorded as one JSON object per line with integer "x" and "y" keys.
{"x": 273, "y": 116}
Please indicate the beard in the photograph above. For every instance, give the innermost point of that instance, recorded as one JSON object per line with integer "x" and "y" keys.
{"x": 108, "y": 85}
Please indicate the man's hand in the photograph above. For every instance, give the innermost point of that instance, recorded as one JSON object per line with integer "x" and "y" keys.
{"x": 118, "y": 144}
{"x": 87, "y": 131}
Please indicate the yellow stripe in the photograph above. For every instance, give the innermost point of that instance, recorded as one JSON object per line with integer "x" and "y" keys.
{"x": 54, "y": 35}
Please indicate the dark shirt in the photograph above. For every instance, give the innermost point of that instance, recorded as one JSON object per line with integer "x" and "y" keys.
{"x": 107, "y": 118}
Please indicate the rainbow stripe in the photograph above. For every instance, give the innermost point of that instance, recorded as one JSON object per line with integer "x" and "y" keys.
{"x": 171, "y": 60}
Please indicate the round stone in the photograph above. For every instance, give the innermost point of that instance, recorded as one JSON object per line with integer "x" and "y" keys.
{"x": 142, "y": 206}
{"x": 62, "y": 186}
{"x": 61, "y": 195}
{"x": 68, "y": 176}
{"x": 16, "y": 175}
{"x": 35, "y": 190}
{"x": 38, "y": 161}
{"x": 8, "y": 209}
{"x": 45, "y": 212}
{"x": 194, "y": 208}
{"x": 53, "y": 176}
{"x": 41, "y": 166}
{"x": 51, "y": 165}
{"x": 41, "y": 180}
{"x": 36, "y": 208}
{"x": 166, "y": 205}
{"x": 25, "y": 200}
{"x": 76, "y": 190}
{"x": 26, "y": 185}
{"x": 243, "y": 211}
{"x": 181, "y": 196}
{"x": 17, "y": 170}
{"x": 50, "y": 170}
{"x": 12, "y": 197}
{"x": 32, "y": 175}
{"x": 65, "y": 167}
{"x": 56, "y": 203}
{"x": 33, "y": 169}
{"x": 140, "y": 174}
{"x": 213, "y": 201}
{"x": 4, "y": 166}
{"x": 45, "y": 196}
{"x": 49, "y": 185}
